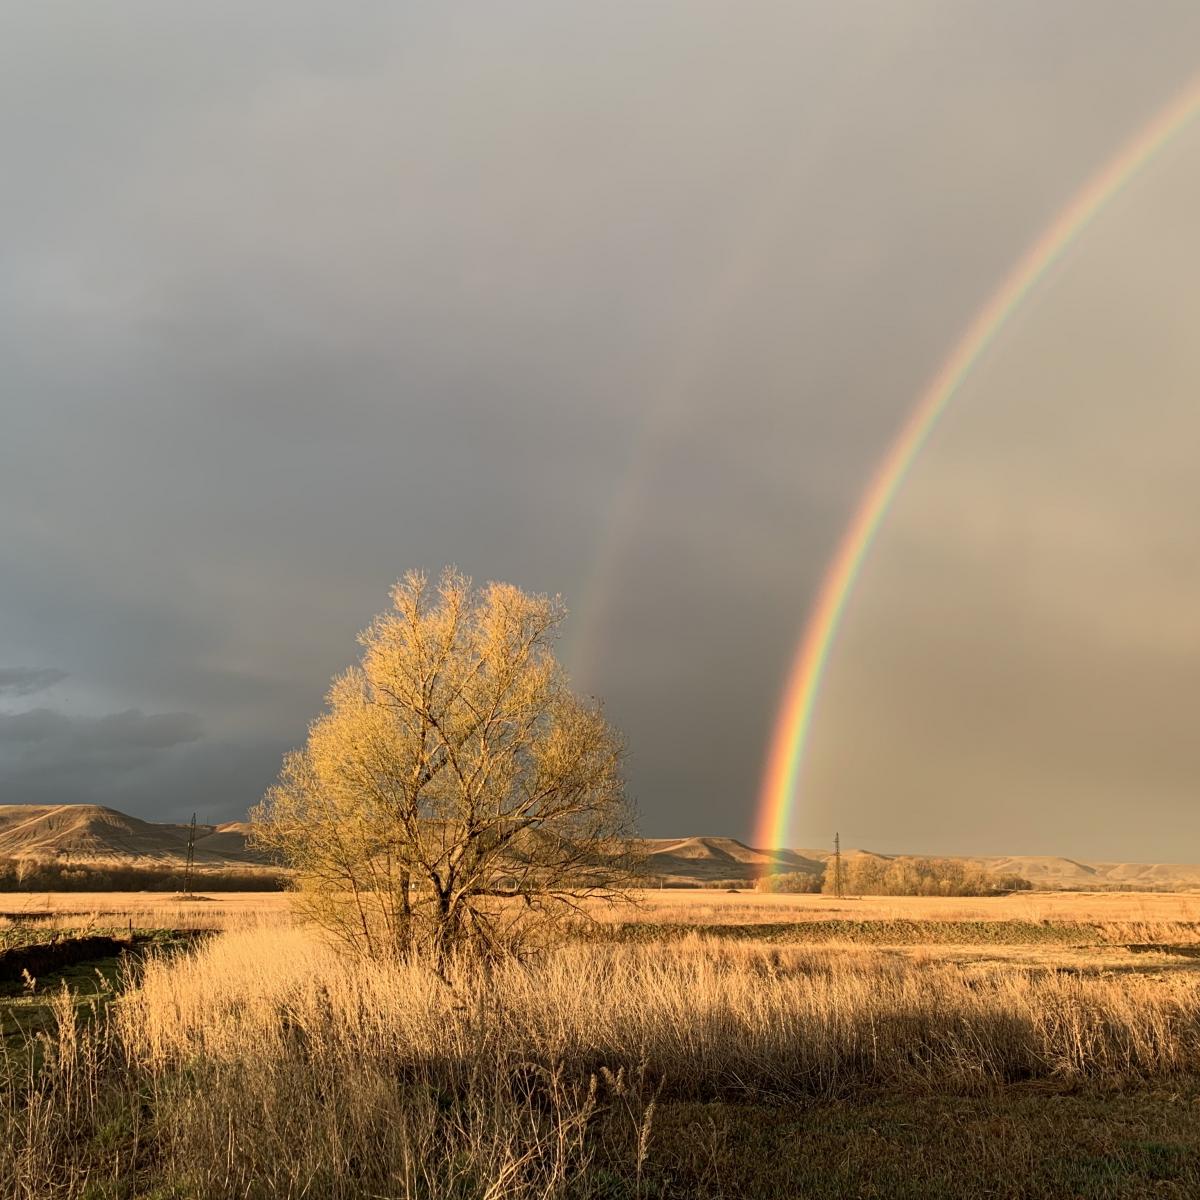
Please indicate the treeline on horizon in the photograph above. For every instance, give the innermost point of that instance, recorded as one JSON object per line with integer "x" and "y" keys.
{"x": 58, "y": 875}
{"x": 906, "y": 876}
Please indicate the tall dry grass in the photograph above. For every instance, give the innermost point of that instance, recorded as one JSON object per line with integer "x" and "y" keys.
{"x": 263, "y": 1063}
{"x": 705, "y": 1016}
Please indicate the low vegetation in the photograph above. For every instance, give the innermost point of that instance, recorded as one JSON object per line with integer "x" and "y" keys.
{"x": 792, "y": 882}
{"x": 59, "y": 875}
{"x": 871, "y": 875}
{"x": 874, "y": 875}
{"x": 265, "y": 1062}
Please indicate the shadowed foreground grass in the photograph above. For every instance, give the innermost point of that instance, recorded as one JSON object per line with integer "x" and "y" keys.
{"x": 1010, "y": 1144}
{"x": 262, "y": 1064}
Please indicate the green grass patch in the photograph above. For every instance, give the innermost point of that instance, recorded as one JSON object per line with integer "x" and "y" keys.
{"x": 26, "y": 1004}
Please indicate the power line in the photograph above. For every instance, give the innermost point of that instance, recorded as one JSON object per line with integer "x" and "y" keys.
{"x": 191, "y": 858}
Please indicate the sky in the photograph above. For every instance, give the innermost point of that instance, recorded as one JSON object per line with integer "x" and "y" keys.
{"x": 622, "y": 302}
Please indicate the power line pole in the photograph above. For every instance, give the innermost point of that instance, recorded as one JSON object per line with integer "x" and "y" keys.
{"x": 191, "y": 858}
{"x": 837, "y": 865}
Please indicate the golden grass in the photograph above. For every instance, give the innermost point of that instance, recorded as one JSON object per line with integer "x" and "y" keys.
{"x": 685, "y": 906}
{"x": 264, "y": 1063}
{"x": 703, "y": 907}
{"x": 704, "y": 1016}
{"x": 144, "y": 910}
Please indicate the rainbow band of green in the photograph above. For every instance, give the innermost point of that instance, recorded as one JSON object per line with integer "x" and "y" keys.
{"x": 789, "y": 741}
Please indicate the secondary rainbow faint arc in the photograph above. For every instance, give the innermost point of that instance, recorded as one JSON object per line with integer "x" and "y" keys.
{"x": 794, "y": 720}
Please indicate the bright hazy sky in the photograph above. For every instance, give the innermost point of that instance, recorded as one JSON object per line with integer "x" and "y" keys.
{"x": 622, "y": 301}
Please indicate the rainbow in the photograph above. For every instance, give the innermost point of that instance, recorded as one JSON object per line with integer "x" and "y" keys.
{"x": 793, "y": 723}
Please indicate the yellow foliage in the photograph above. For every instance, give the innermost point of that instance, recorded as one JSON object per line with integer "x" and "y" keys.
{"x": 453, "y": 768}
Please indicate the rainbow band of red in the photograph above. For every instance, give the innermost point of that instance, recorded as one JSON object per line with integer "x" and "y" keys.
{"x": 779, "y": 790}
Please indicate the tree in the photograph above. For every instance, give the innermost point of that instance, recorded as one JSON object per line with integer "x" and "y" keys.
{"x": 906, "y": 875}
{"x": 455, "y": 792}
{"x": 795, "y": 882}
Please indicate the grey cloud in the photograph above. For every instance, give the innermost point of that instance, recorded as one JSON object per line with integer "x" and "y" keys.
{"x": 292, "y": 303}
{"x": 24, "y": 681}
{"x": 123, "y": 730}
{"x": 47, "y": 756}
{"x": 218, "y": 780}
{"x": 1023, "y": 654}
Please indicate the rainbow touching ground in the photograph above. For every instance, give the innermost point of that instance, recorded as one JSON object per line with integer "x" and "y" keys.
{"x": 789, "y": 740}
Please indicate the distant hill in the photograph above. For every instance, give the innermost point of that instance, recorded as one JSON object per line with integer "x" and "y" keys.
{"x": 91, "y": 831}
{"x": 1054, "y": 872}
{"x": 707, "y": 859}
{"x": 95, "y": 833}
{"x": 710, "y": 859}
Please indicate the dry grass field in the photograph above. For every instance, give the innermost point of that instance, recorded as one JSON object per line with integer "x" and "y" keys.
{"x": 700, "y": 1044}
{"x": 142, "y": 910}
{"x": 703, "y": 906}
{"x": 693, "y": 906}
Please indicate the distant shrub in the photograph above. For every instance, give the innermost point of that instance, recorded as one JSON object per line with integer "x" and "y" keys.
{"x": 59, "y": 875}
{"x": 910, "y": 876}
{"x": 1011, "y": 883}
{"x": 790, "y": 881}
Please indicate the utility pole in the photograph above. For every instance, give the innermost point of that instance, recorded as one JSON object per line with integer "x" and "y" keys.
{"x": 837, "y": 865}
{"x": 191, "y": 858}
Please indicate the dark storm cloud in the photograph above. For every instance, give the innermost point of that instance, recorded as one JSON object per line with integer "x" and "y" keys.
{"x": 47, "y": 756}
{"x": 293, "y": 302}
{"x": 24, "y": 681}
{"x": 112, "y": 736}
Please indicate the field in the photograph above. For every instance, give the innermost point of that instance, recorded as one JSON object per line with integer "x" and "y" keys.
{"x": 699, "y": 1044}
{"x": 693, "y": 906}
